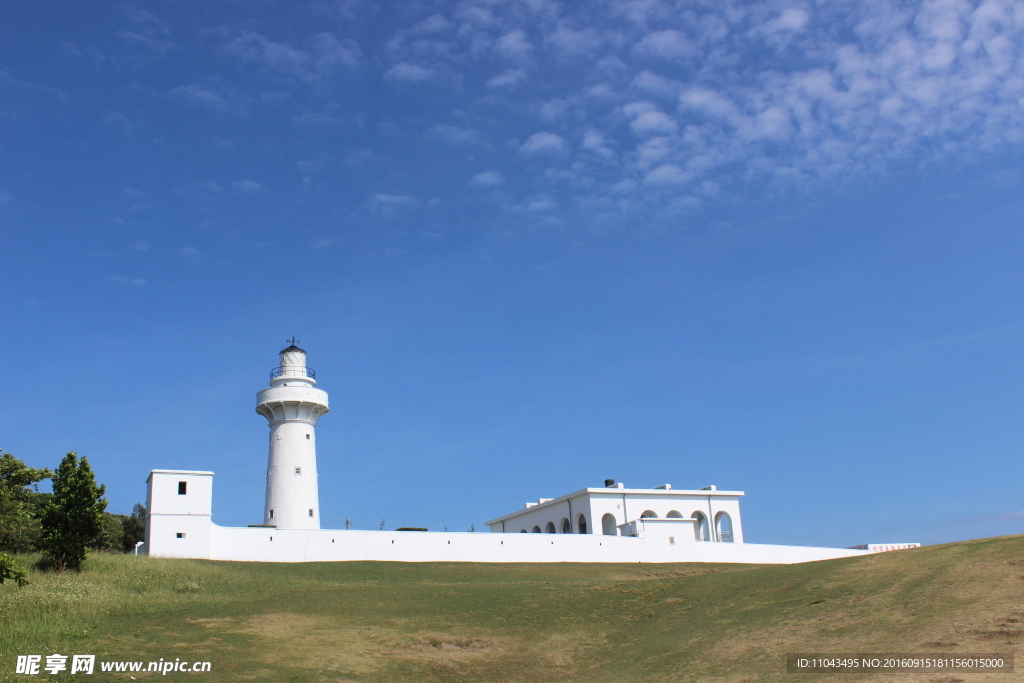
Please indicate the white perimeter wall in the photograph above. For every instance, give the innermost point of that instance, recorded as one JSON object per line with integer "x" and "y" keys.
{"x": 326, "y": 545}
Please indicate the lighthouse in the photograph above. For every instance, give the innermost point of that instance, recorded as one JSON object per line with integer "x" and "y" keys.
{"x": 292, "y": 404}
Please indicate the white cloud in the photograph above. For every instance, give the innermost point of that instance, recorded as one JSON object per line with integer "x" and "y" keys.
{"x": 514, "y": 46}
{"x": 202, "y": 95}
{"x": 127, "y": 281}
{"x": 669, "y": 44}
{"x": 149, "y": 32}
{"x": 654, "y": 123}
{"x": 487, "y": 179}
{"x": 595, "y": 141}
{"x": 392, "y": 200}
{"x": 458, "y": 135}
{"x": 507, "y": 79}
{"x": 404, "y": 72}
{"x": 190, "y": 254}
{"x": 668, "y": 174}
{"x": 247, "y": 186}
{"x": 793, "y": 19}
{"x": 723, "y": 95}
{"x": 433, "y": 24}
{"x": 315, "y": 64}
{"x": 539, "y": 204}
{"x": 544, "y": 143}
{"x": 657, "y": 85}
{"x": 574, "y": 45}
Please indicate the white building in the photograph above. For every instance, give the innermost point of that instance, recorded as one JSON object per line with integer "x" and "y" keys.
{"x": 610, "y": 524}
{"x": 705, "y": 514}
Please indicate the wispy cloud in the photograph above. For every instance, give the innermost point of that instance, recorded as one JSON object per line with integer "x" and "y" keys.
{"x": 487, "y": 179}
{"x": 247, "y": 186}
{"x": 392, "y": 201}
{"x": 211, "y": 96}
{"x": 190, "y": 254}
{"x": 734, "y": 94}
{"x": 404, "y": 72}
{"x": 315, "y": 61}
{"x": 148, "y": 31}
{"x": 458, "y": 135}
{"x": 118, "y": 280}
{"x": 544, "y": 143}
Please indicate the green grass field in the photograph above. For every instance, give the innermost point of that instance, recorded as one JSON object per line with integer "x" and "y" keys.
{"x": 382, "y": 621}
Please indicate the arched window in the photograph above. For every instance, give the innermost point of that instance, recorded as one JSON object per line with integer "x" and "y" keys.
{"x": 523, "y": 531}
{"x": 723, "y": 527}
{"x": 647, "y": 513}
{"x": 550, "y": 528}
{"x": 581, "y": 523}
{"x": 608, "y": 525}
{"x": 566, "y": 527}
{"x": 536, "y": 529}
{"x": 700, "y": 529}
{"x": 674, "y": 514}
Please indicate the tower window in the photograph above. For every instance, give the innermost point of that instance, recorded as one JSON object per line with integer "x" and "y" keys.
{"x": 298, "y": 470}
{"x": 271, "y": 513}
{"x": 180, "y": 534}
{"x": 182, "y": 487}
{"x": 307, "y": 436}
{"x": 310, "y": 512}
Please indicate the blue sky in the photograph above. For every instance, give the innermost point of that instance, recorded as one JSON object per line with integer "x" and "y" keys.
{"x": 529, "y": 245}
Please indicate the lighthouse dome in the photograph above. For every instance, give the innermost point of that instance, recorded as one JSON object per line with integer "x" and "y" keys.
{"x": 293, "y": 356}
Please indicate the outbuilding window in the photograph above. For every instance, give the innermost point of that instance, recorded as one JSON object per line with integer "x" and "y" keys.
{"x": 180, "y": 534}
{"x": 182, "y": 487}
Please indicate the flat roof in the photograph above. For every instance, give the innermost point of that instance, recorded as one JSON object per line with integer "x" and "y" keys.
{"x": 618, "y": 492}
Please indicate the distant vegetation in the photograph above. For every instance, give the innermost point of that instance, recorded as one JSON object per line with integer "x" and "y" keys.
{"x": 529, "y": 623}
{"x": 64, "y": 524}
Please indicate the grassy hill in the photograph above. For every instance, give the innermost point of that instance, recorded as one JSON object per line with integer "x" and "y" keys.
{"x": 366, "y": 621}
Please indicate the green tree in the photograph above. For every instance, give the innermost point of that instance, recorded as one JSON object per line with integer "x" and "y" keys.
{"x": 73, "y": 519}
{"x": 111, "y": 536}
{"x": 21, "y": 504}
{"x": 134, "y": 527}
{"x": 9, "y": 570}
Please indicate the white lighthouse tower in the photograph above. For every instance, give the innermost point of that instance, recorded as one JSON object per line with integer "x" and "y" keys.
{"x": 292, "y": 404}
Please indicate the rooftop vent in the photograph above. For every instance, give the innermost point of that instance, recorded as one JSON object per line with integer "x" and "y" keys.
{"x": 609, "y": 483}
